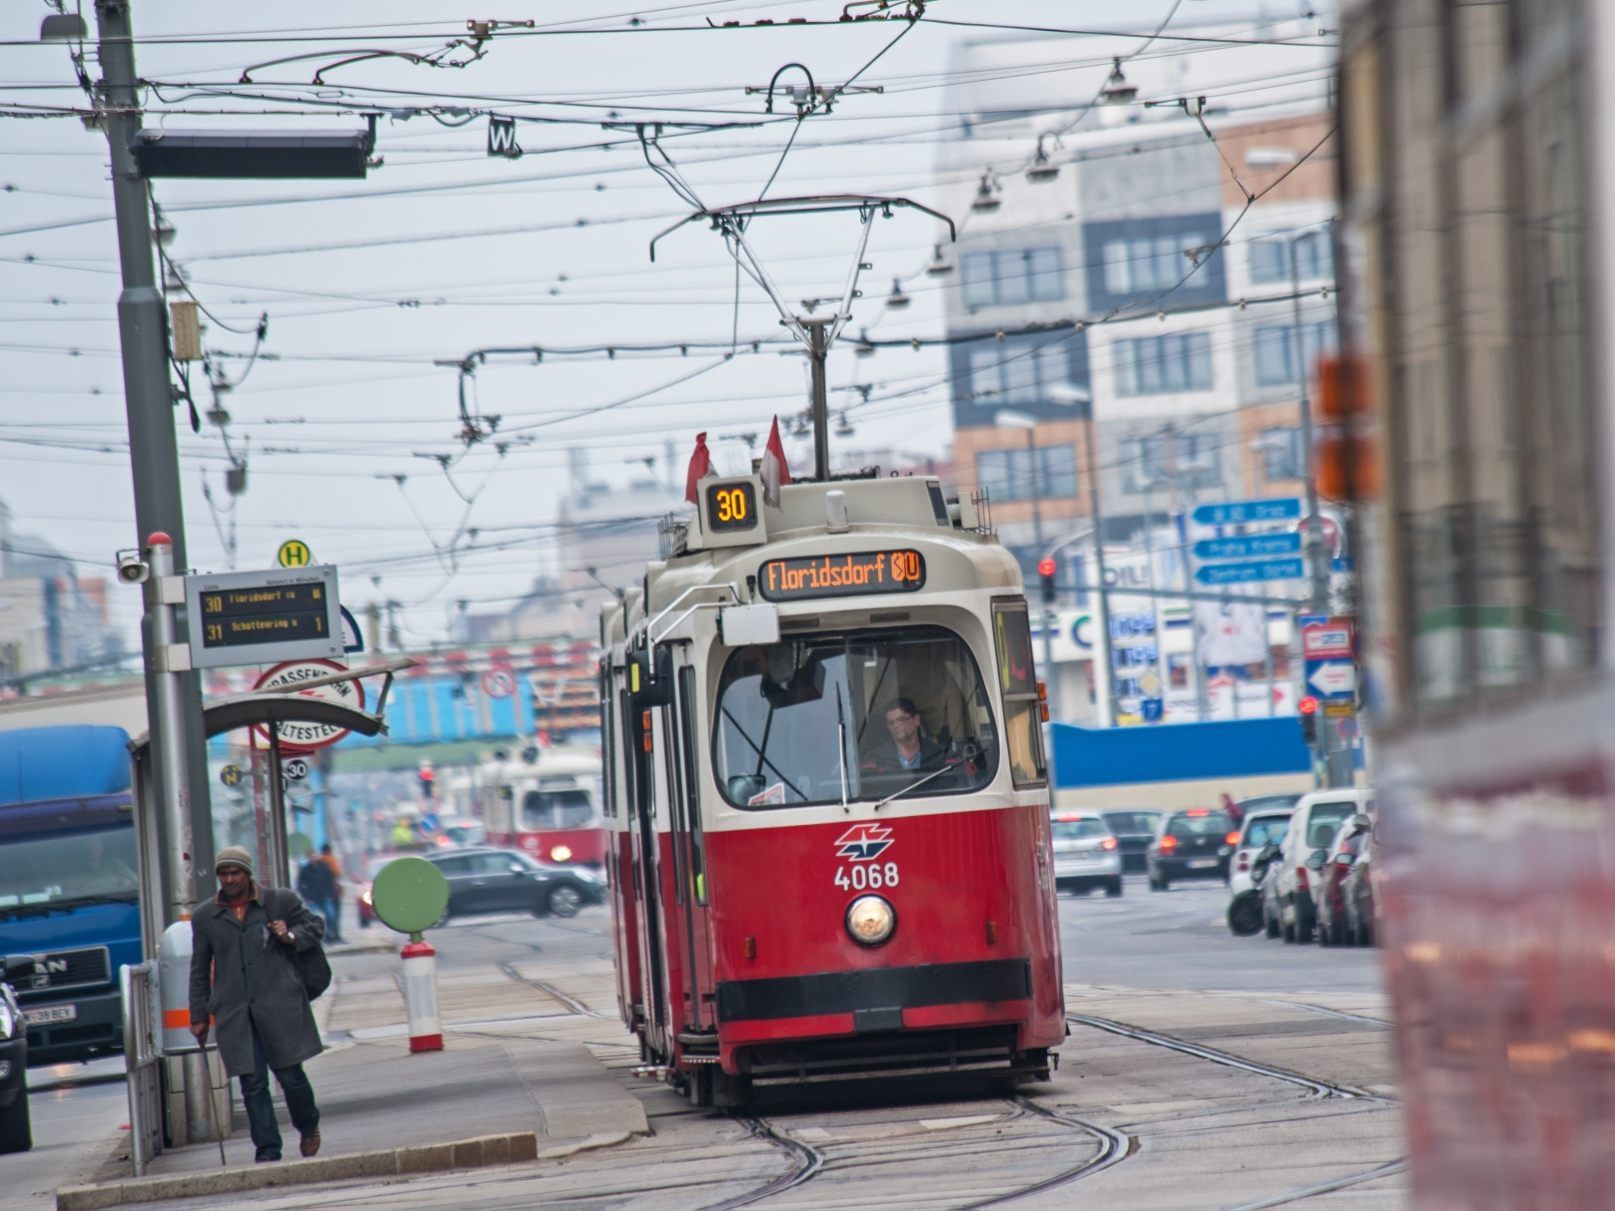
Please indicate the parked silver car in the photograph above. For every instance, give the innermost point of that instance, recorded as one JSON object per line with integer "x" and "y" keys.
{"x": 1086, "y": 853}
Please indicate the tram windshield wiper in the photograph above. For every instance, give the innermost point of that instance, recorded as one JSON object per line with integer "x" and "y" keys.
{"x": 915, "y": 785}
{"x": 841, "y": 745}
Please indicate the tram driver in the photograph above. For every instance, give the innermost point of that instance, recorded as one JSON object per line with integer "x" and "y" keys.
{"x": 908, "y": 746}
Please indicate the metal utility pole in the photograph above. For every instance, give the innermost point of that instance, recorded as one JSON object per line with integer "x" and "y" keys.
{"x": 818, "y": 334}
{"x": 1312, "y": 540}
{"x": 149, "y": 405}
{"x": 1107, "y": 646}
{"x": 1037, "y": 545}
{"x": 1202, "y": 706}
{"x": 1337, "y": 756}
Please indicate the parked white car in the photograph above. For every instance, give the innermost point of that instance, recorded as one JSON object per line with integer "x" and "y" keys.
{"x": 1260, "y": 829}
{"x": 1086, "y": 853}
{"x": 1287, "y": 899}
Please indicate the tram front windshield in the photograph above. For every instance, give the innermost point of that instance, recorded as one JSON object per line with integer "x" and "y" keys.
{"x": 855, "y": 716}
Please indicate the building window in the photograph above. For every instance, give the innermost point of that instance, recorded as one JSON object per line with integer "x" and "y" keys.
{"x": 1270, "y": 257}
{"x": 1129, "y": 260}
{"x": 1164, "y": 461}
{"x": 1156, "y": 365}
{"x": 1281, "y": 453}
{"x": 1151, "y": 263}
{"x": 1011, "y": 276}
{"x": 1007, "y": 474}
{"x": 1274, "y": 350}
{"x": 1021, "y": 370}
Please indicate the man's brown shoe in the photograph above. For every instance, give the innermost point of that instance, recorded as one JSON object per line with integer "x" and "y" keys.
{"x": 310, "y": 1143}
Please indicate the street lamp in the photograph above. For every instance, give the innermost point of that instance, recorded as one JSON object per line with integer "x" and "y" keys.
{"x": 1313, "y": 538}
{"x": 1007, "y": 419}
{"x": 1070, "y": 393}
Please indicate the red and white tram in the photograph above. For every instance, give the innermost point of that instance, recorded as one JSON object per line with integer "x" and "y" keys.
{"x": 549, "y": 807}
{"x": 827, "y": 795}
{"x": 1478, "y": 141}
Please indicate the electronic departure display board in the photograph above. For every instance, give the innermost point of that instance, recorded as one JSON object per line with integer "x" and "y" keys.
{"x": 731, "y": 506}
{"x": 850, "y": 574}
{"x": 263, "y": 617}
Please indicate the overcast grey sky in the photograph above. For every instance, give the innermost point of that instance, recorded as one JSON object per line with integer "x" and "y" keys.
{"x": 443, "y": 250}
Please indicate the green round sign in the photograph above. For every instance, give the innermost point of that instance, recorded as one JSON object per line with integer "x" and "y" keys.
{"x": 409, "y": 894}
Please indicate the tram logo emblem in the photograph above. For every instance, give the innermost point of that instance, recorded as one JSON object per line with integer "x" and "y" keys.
{"x": 864, "y": 842}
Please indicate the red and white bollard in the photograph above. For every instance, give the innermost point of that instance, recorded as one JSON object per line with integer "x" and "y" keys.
{"x": 420, "y": 996}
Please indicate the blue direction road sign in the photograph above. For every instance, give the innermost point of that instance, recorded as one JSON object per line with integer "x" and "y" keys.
{"x": 1215, "y": 574}
{"x": 1237, "y": 512}
{"x": 1332, "y": 680}
{"x": 1248, "y": 546}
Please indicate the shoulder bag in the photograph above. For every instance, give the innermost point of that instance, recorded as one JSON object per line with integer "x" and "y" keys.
{"x": 313, "y": 968}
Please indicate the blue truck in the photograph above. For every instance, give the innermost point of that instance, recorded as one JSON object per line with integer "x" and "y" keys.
{"x": 69, "y": 893}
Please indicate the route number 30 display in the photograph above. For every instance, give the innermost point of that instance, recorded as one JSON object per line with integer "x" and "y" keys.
{"x": 731, "y": 506}
{"x": 870, "y": 876}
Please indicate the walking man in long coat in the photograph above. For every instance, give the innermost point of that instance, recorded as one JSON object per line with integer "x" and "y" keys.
{"x": 243, "y": 976}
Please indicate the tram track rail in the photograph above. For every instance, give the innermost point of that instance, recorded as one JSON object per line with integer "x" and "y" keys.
{"x": 808, "y": 1163}
{"x": 1316, "y": 1085}
{"x": 1114, "y": 1147}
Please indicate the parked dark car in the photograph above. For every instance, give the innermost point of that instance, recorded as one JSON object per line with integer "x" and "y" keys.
{"x": 1134, "y": 829}
{"x": 1359, "y": 892}
{"x": 1329, "y": 887}
{"x": 507, "y": 880}
{"x": 16, "y": 1132}
{"x": 1192, "y": 844}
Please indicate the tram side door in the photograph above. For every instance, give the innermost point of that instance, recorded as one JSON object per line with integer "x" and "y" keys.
{"x": 637, "y": 733}
{"x": 691, "y": 902}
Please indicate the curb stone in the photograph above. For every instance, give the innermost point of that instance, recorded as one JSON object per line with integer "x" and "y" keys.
{"x": 392, "y": 1162}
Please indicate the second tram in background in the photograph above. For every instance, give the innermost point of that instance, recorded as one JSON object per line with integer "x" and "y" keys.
{"x": 548, "y": 807}
{"x": 826, "y": 795}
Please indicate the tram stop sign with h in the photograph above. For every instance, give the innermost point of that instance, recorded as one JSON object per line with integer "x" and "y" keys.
{"x": 410, "y": 895}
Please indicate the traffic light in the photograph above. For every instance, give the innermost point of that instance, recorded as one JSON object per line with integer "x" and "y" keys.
{"x": 1307, "y": 708}
{"x": 428, "y": 782}
{"x": 1046, "y": 568}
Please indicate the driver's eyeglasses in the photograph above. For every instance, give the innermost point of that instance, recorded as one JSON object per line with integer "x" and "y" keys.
{"x": 894, "y": 720}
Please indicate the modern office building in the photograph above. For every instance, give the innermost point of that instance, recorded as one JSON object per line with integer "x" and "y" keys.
{"x": 1130, "y": 273}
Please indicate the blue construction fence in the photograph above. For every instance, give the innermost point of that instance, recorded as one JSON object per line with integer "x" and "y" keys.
{"x": 1178, "y": 752}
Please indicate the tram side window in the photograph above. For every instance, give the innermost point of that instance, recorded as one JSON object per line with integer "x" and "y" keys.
{"x": 556, "y": 809}
{"x": 862, "y": 715}
{"x": 1017, "y": 680}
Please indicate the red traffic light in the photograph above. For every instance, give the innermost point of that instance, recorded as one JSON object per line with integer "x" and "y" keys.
{"x": 1307, "y": 705}
{"x": 1047, "y": 567}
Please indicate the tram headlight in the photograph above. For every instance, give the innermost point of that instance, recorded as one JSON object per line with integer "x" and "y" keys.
{"x": 561, "y": 853}
{"x": 870, "y": 920}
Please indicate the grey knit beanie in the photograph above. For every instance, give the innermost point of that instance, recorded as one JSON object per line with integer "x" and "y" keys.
{"x": 233, "y": 855}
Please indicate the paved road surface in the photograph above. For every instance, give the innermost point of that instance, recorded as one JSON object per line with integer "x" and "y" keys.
{"x": 1179, "y": 939}
{"x": 1132, "y": 1120}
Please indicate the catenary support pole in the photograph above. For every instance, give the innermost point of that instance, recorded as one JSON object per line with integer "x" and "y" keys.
{"x": 164, "y": 592}
{"x": 1335, "y": 749}
{"x": 1106, "y": 640}
{"x": 149, "y": 406}
{"x": 818, "y": 331}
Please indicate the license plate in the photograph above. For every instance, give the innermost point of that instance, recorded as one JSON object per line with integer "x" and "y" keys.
{"x": 1202, "y": 863}
{"x": 49, "y": 1014}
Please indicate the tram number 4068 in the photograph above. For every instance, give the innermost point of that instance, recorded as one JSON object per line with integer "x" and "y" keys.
{"x": 870, "y": 877}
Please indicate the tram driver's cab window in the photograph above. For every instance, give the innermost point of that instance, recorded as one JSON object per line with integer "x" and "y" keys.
{"x": 860, "y": 716}
{"x": 556, "y": 807}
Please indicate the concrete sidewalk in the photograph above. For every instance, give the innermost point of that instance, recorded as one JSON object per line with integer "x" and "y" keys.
{"x": 518, "y": 1080}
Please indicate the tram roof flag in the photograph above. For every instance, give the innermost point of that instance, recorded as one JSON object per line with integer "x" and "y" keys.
{"x": 775, "y": 469}
{"x": 700, "y": 466}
